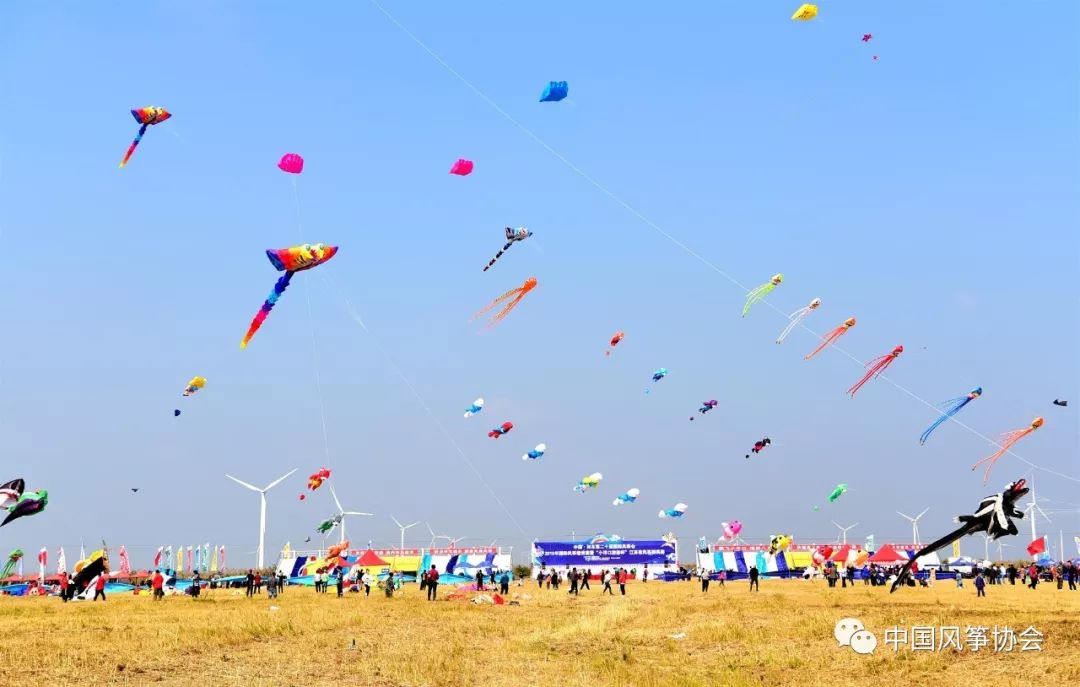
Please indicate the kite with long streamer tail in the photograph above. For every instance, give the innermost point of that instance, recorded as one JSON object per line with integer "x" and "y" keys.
{"x": 289, "y": 260}
{"x": 145, "y": 116}
{"x": 760, "y": 292}
{"x": 950, "y": 408}
{"x": 515, "y": 294}
{"x": 512, "y": 237}
{"x": 1007, "y": 441}
{"x": 875, "y": 368}
{"x": 832, "y": 336}
{"x": 796, "y": 317}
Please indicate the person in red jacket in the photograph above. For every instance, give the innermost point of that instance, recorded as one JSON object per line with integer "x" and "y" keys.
{"x": 432, "y": 579}
{"x": 64, "y": 586}
{"x": 158, "y": 584}
{"x": 99, "y": 587}
{"x": 622, "y": 581}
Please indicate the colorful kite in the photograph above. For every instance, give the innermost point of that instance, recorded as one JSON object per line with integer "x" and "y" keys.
{"x": 806, "y": 12}
{"x": 875, "y": 368}
{"x": 13, "y": 558}
{"x": 759, "y": 446}
{"x": 537, "y": 452}
{"x": 588, "y": 482}
{"x": 336, "y": 550}
{"x": 950, "y": 408}
{"x": 1007, "y": 441}
{"x": 475, "y": 408}
{"x": 778, "y": 543}
{"x": 289, "y": 260}
{"x": 22, "y": 504}
{"x": 657, "y": 376}
{"x": 629, "y": 497}
{"x": 512, "y": 237}
{"x": 516, "y": 294}
{"x": 837, "y": 492}
{"x": 820, "y": 555}
{"x": 760, "y": 292}
{"x": 832, "y": 336}
{"x": 555, "y": 91}
{"x": 145, "y": 116}
{"x": 993, "y": 517}
{"x": 796, "y": 317}
{"x": 327, "y": 526}
{"x": 502, "y": 429}
{"x": 731, "y": 530}
{"x": 866, "y": 37}
{"x": 615, "y": 339}
{"x": 10, "y": 493}
{"x": 462, "y": 167}
{"x": 291, "y": 163}
{"x": 706, "y": 406}
{"x": 315, "y": 480}
{"x": 194, "y": 385}
{"x": 676, "y": 512}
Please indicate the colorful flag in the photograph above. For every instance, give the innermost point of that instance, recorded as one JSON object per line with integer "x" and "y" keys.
{"x": 157, "y": 558}
{"x": 125, "y": 564}
{"x": 214, "y": 562}
{"x": 61, "y": 561}
{"x": 206, "y": 557}
{"x": 221, "y": 562}
{"x": 180, "y": 559}
{"x": 43, "y": 561}
{"x": 869, "y": 543}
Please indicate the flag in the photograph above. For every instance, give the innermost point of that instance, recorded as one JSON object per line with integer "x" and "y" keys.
{"x": 1037, "y": 546}
{"x": 198, "y": 559}
{"x": 222, "y": 561}
{"x": 180, "y": 559}
{"x": 82, "y": 552}
{"x": 61, "y": 561}
{"x": 168, "y": 556}
{"x": 125, "y": 564}
{"x": 206, "y": 557}
{"x": 869, "y": 543}
{"x": 43, "y": 561}
{"x": 189, "y": 568}
{"x": 157, "y": 558}
{"x": 1077, "y": 545}
{"x": 213, "y": 561}
{"x": 287, "y": 551}
{"x": 956, "y": 549}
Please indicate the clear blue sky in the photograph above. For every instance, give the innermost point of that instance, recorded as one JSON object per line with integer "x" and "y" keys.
{"x": 931, "y": 194}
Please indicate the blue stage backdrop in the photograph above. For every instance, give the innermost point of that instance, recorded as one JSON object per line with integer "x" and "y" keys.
{"x": 610, "y": 554}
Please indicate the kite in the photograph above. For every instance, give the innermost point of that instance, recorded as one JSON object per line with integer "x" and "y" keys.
{"x": 731, "y": 530}
{"x": 706, "y": 406}
{"x": 87, "y": 570}
{"x": 1007, "y": 441}
{"x": 778, "y": 543}
{"x": 832, "y": 336}
{"x": 758, "y": 293}
{"x": 1063, "y": 404}
{"x": 291, "y": 163}
{"x": 517, "y": 294}
{"x": 145, "y": 116}
{"x": 502, "y": 429}
{"x": 27, "y": 503}
{"x": 588, "y": 482}
{"x": 13, "y": 558}
{"x": 657, "y": 376}
{"x": 290, "y": 261}
{"x": 537, "y": 452}
{"x": 875, "y": 58}
{"x": 555, "y": 91}
{"x": 135, "y": 490}
{"x": 337, "y": 549}
{"x": 950, "y": 408}
{"x": 677, "y": 512}
{"x": 806, "y": 12}
{"x": 10, "y": 493}
{"x": 796, "y": 317}
{"x": 629, "y": 497}
{"x": 837, "y": 492}
{"x": 866, "y": 37}
{"x": 875, "y": 368}
{"x": 615, "y": 339}
{"x": 315, "y": 480}
{"x": 194, "y": 385}
{"x": 820, "y": 555}
{"x": 512, "y": 237}
{"x": 327, "y": 526}
{"x": 462, "y": 167}
{"x": 994, "y": 517}
{"x": 475, "y": 408}
{"x": 176, "y": 412}
{"x": 760, "y": 445}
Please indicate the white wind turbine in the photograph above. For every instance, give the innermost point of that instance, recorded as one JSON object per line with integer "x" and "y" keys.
{"x": 342, "y": 512}
{"x": 262, "y": 508}
{"x": 843, "y": 532}
{"x": 914, "y": 524}
{"x": 1033, "y": 508}
{"x": 451, "y": 542}
{"x": 401, "y": 547}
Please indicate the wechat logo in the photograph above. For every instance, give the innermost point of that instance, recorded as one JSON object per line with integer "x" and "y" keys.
{"x": 851, "y": 632}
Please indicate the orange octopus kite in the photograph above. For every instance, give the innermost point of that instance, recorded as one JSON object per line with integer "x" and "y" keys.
{"x": 515, "y": 294}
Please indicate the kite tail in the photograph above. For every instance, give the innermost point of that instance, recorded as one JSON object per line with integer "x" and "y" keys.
{"x": 1007, "y": 442}
{"x": 954, "y": 407}
{"x": 498, "y": 255}
{"x": 795, "y": 317}
{"x": 756, "y": 295}
{"x": 505, "y": 311}
{"x": 495, "y": 302}
{"x": 873, "y": 369}
{"x": 131, "y": 149}
{"x": 929, "y": 548}
{"x": 826, "y": 340}
{"x": 267, "y": 306}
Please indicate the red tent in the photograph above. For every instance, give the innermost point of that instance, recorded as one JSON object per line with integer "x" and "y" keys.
{"x": 887, "y": 554}
{"x": 370, "y": 559}
{"x": 841, "y": 555}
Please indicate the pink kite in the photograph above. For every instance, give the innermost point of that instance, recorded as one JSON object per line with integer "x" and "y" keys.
{"x": 291, "y": 163}
{"x": 462, "y": 167}
{"x": 875, "y": 368}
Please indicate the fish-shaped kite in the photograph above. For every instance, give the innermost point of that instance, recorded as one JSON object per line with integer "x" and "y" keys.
{"x": 475, "y": 408}
{"x": 290, "y": 261}
{"x": 677, "y": 511}
{"x": 145, "y": 116}
{"x": 628, "y": 497}
{"x": 502, "y": 429}
{"x": 537, "y": 452}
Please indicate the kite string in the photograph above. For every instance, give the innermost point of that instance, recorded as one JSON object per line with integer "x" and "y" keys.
{"x": 660, "y": 230}
{"x": 348, "y": 306}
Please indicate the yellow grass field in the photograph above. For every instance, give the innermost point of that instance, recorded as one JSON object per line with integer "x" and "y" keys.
{"x": 780, "y": 636}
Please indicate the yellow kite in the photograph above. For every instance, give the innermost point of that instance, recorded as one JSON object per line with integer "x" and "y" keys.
{"x": 806, "y": 12}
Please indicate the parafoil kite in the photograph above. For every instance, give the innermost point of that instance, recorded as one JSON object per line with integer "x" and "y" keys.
{"x": 194, "y": 385}
{"x": 512, "y": 237}
{"x": 475, "y": 408}
{"x": 831, "y": 337}
{"x": 993, "y": 517}
{"x": 796, "y": 317}
{"x": 820, "y": 555}
{"x": 588, "y": 482}
{"x": 1007, "y": 441}
{"x": 554, "y": 92}
{"x": 778, "y": 543}
{"x": 327, "y": 526}
{"x": 675, "y": 512}
{"x": 145, "y": 116}
{"x": 291, "y": 163}
{"x": 1059, "y": 402}
{"x": 731, "y": 530}
{"x": 289, "y": 260}
{"x": 628, "y": 497}
{"x": 866, "y": 37}
{"x": 515, "y": 294}
{"x": 760, "y": 292}
{"x": 615, "y": 339}
{"x": 502, "y": 429}
{"x": 950, "y": 408}
{"x": 87, "y": 570}
{"x": 706, "y": 406}
{"x": 657, "y": 376}
{"x": 875, "y": 368}
{"x": 176, "y": 412}
{"x": 806, "y": 12}
{"x": 837, "y": 492}
{"x": 537, "y": 452}
{"x": 759, "y": 446}
{"x": 13, "y": 558}
{"x": 462, "y": 167}
{"x": 19, "y": 503}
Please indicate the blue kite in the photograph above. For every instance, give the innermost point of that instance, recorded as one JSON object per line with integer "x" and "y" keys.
{"x": 555, "y": 91}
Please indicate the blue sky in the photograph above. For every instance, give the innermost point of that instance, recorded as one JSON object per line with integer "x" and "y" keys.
{"x": 931, "y": 194}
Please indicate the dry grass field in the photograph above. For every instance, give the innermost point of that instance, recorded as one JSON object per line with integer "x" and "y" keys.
{"x": 780, "y": 636}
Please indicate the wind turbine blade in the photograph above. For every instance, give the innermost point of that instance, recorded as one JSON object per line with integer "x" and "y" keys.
{"x": 923, "y": 513}
{"x": 354, "y": 512}
{"x": 429, "y": 528}
{"x": 278, "y": 480}
{"x": 395, "y": 521}
{"x": 243, "y": 484}
{"x": 853, "y": 526}
{"x": 906, "y": 516}
{"x": 412, "y": 525}
{"x": 837, "y": 524}
{"x": 336, "y": 502}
